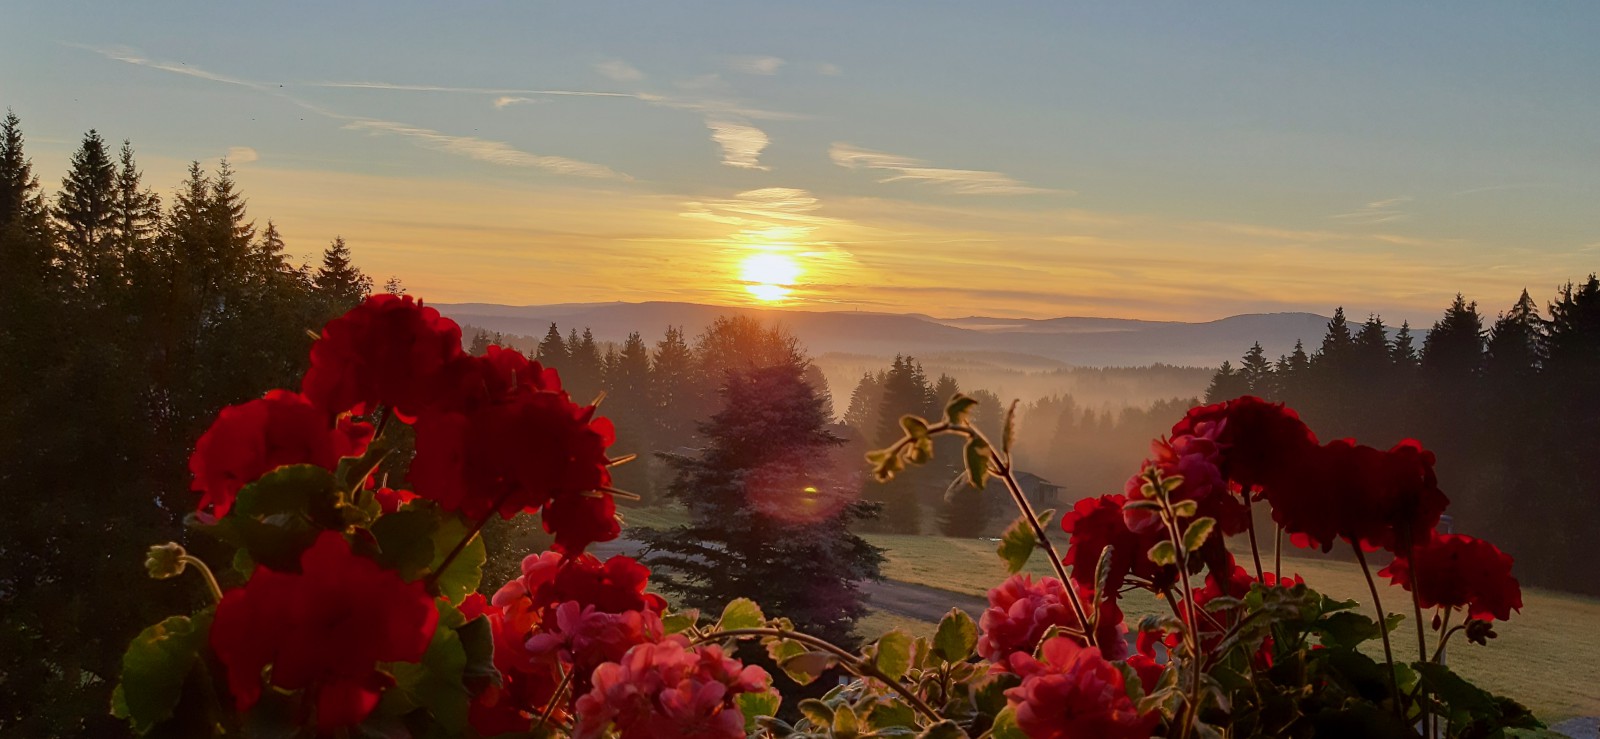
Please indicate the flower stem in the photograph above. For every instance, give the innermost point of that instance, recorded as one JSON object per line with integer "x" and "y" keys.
{"x": 1021, "y": 499}
{"x": 549, "y": 708}
{"x": 857, "y": 664}
{"x": 211, "y": 579}
{"x": 433, "y": 577}
{"x": 1383, "y": 626}
{"x": 1255, "y": 551}
{"x": 1277, "y": 555}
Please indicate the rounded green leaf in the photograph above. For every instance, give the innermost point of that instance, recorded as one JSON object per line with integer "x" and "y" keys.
{"x": 956, "y": 637}
{"x": 741, "y": 613}
{"x": 155, "y": 667}
{"x": 893, "y": 657}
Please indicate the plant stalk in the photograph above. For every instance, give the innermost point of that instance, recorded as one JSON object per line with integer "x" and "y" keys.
{"x": 1383, "y": 626}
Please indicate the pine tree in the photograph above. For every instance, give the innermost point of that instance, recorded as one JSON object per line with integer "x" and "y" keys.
{"x": 136, "y": 210}
{"x": 1515, "y": 349}
{"x": 1337, "y": 342}
{"x": 582, "y": 377}
{"x": 552, "y": 350}
{"x": 26, "y": 250}
{"x": 1255, "y": 371}
{"x": 1454, "y": 348}
{"x": 769, "y": 517}
{"x": 85, "y": 215}
{"x": 905, "y": 392}
{"x": 865, "y": 401}
{"x": 1227, "y": 384}
{"x": 339, "y": 281}
{"x": 394, "y": 286}
{"x": 481, "y": 342}
{"x": 19, "y": 189}
{"x": 629, "y": 404}
{"x": 1402, "y": 354}
{"x": 673, "y": 394}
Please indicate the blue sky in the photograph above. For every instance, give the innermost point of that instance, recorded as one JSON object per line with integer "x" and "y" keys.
{"x": 1162, "y": 160}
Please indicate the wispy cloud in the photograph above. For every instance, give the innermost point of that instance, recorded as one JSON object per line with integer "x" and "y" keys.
{"x": 131, "y": 56}
{"x": 907, "y": 169}
{"x": 505, "y": 101}
{"x": 1378, "y": 211}
{"x": 466, "y": 90}
{"x": 242, "y": 155}
{"x": 484, "y": 150}
{"x": 831, "y": 70}
{"x": 763, "y": 65}
{"x": 618, "y": 70}
{"x": 741, "y": 144}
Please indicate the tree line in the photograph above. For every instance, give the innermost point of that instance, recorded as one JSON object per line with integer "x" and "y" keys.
{"x": 126, "y": 321}
{"x": 1511, "y": 407}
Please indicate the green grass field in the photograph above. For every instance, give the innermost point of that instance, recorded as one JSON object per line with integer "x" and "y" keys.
{"x": 1537, "y": 659}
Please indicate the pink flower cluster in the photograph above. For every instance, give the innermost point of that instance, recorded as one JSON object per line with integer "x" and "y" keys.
{"x": 669, "y": 690}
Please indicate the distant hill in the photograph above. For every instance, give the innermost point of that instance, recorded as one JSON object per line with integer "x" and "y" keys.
{"x": 1103, "y": 342}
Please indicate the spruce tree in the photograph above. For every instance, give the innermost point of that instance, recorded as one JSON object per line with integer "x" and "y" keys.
{"x": 1454, "y": 348}
{"x": 481, "y": 341}
{"x": 583, "y": 374}
{"x": 19, "y": 188}
{"x": 629, "y": 405}
{"x": 865, "y": 400}
{"x": 85, "y": 214}
{"x": 1402, "y": 353}
{"x": 552, "y": 351}
{"x": 673, "y": 395}
{"x": 769, "y": 516}
{"x": 1227, "y": 384}
{"x": 339, "y": 281}
{"x": 905, "y": 392}
{"x": 136, "y": 210}
{"x": 1337, "y": 342}
{"x": 1255, "y": 371}
{"x": 1515, "y": 349}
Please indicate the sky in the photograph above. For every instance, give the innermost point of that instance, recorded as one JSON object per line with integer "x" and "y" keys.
{"x": 1160, "y": 160}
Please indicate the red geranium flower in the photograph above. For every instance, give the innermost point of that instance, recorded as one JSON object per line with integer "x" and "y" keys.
{"x": 669, "y": 691}
{"x": 520, "y": 447}
{"x": 251, "y": 439}
{"x": 389, "y": 350}
{"x": 1096, "y": 523}
{"x": 1074, "y": 693}
{"x": 1453, "y": 571}
{"x": 390, "y": 499}
{"x": 1195, "y": 457}
{"x": 323, "y": 630}
{"x": 1369, "y": 497}
{"x": 1409, "y": 497}
{"x": 1262, "y": 443}
{"x": 527, "y": 682}
{"x": 1022, "y": 609}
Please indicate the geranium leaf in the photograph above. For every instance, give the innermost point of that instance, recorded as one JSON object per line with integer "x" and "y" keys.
{"x": 741, "y": 613}
{"x": 1196, "y": 534}
{"x": 304, "y": 489}
{"x": 1009, "y": 433}
{"x": 889, "y": 713}
{"x": 845, "y": 725}
{"x": 977, "y": 456}
{"x": 405, "y": 540}
{"x": 435, "y": 683}
{"x": 756, "y": 705}
{"x": 1005, "y": 725}
{"x": 956, "y": 637}
{"x": 915, "y": 427}
{"x": 155, "y": 667}
{"x": 477, "y": 642}
{"x": 461, "y": 578}
{"x": 894, "y": 654}
{"x": 807, "y": 666}
{"x": 945, "y": 729}
{"x": 955, "y": 412}
{"x": 680, "y": 621}
{"x": 1163, "y": 553}
{"x": 1017, "y": 544}
{"x": 818, "y": 713}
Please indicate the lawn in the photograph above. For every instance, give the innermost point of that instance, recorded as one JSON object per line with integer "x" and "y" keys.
{"x": 1536, "y": 659}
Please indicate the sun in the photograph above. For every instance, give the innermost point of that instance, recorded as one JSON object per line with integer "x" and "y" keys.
{"x": 769, "y": 276}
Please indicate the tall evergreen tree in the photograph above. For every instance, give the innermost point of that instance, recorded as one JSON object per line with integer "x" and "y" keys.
{"x": 905, "y": 392}
{"x": 339, "y": 281}
{"x": 673, "y": 394}
{"x": 1337, "y": 342}
{"x": 629, "y": 404}
{"x": 1454, "y": 348}
{"x": 1515, "y": 351}
{"x": 1256, "y": 371}
{"x": 1402, "y": 353}
{"x": 1227, "y": 384}
{"x": 865, "y": 402}
{"x": 552, "y": 350}
{"x": 585, "y": 368}
{"x": 85, "y": 214}
{"x": 136, "y": 209}
{"x": 19, "y": 188}
{"x": 763, "y": 498}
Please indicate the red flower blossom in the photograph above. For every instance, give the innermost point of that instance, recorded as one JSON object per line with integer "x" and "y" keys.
{"x": 1021, "y": 609}
{"x": 1452, "y": 571}
{"x": 613, "y": 586}
{"x": 1074, "y": 693}
{"x": 1195, "y": 457}
{"x": 390, "y": 499}
{"x": 1363, "y": 495}
{"x": 669, "y": 691}
{"x": 323, "y": 630}
{"x": 526, "y": 446}
{"x": 1410, "y": 499}
{"x": 389, "y": 351}
{"x": 527, "y": 682}
{"x": 251, "y": 439}
{"x": 1096, "y": 523}
{"x": 1262, "y": 444}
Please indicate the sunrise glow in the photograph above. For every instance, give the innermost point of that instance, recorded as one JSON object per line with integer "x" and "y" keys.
{"x": 769, "y": 276}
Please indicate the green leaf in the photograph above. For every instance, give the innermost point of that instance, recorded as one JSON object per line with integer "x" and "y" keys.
{"x": 301, "y": 489}
{"x": 756, "y": 705}
{"x": 945, "y": 729}
{"x": 845, "y": 725}
{"x": 1005, "y": 725}
{"x": 977, "y": 456}
{"x": 680, "y": 621}
{"x": 1017, "y": 544}
{"x": 1196, "y": 534}
{"x": 406, "y": 542}
{"x": 1346, "y": 629}
{"x": 956, "y": 637}
{"x": 889, "y": 713}
{"x": 958, "y": 408}
{"x": 1131, "y": 683}
{"x": 1142, "y": 504}
{"x": 894, "y": 654}
{"x": 741, "y": 613}
{"x": 477, "y": 642}
{"x": 1102, "y": 575}
{"x": 466, "y": 571}
{"x": 805, "y": 667}
{"x": 1163, "y": 553}
{"x": 1185, "y": 508}
{"x": 818, "y": 713}
{"x": 155, "y": 667}
{"x": 435, "y": 683}
{"x": 915, "y": 427}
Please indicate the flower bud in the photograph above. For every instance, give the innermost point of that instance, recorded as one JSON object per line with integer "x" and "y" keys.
{"x": 165, "y": 560}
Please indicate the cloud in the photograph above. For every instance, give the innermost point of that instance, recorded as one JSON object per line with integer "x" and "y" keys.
{"x": 507, "y": 100}
{"x": 1375, "y": 212}
{"x": 130, "y": 56}
{"x": 484, "y": 150}
{"x": 618, "y": 70}
{"x": 467, "y": 90}
{"x": 241, "y": 155}
{"x": 741, "y": 144}
{"x": 907, "y": 169}
{"x": 763, "y": 65}
{"x": 831, "y": 70}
